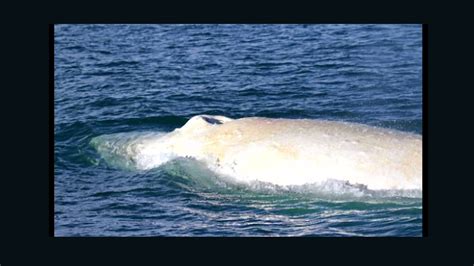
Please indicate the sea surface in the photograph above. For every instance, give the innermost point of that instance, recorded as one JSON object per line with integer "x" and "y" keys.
{"x": 152, "y": 78}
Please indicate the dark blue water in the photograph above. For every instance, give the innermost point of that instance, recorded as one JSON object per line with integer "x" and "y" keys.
{"x": 134, "y": 78}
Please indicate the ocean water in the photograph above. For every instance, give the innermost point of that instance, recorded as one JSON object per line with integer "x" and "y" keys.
{"x": 133, "y": 79}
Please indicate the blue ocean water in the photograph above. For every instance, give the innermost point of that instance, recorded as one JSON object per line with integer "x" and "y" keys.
{"x": 140, "y": 78}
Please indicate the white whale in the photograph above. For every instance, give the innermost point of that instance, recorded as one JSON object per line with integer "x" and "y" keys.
{"x": 290, "y": 151}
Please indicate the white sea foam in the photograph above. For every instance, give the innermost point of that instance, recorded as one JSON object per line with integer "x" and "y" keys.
{"x": 133, "y": 150}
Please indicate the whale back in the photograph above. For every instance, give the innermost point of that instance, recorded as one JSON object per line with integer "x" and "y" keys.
{"x": 293, "y": 152}
{"x": 281, "y": 151}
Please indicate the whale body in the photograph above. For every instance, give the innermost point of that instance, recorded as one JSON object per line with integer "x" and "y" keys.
{"x": 290, "y": 151}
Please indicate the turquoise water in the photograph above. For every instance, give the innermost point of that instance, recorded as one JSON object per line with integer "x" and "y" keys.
{"x": 152, "y": 78}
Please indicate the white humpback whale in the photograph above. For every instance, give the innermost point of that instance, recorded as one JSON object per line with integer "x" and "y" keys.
{"x": 290, "y": 151}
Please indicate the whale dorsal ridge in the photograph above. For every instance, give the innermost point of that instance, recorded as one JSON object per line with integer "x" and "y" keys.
{"x": 201, "y": 122}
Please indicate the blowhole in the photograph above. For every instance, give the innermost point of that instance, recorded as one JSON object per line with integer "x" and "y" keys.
{"x": 212, "y": 120}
